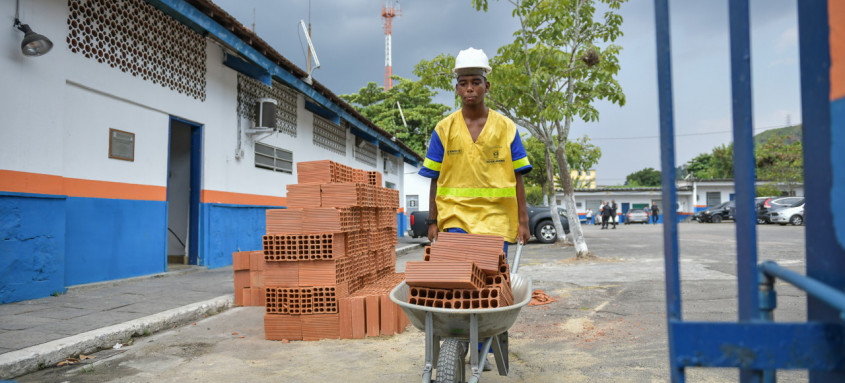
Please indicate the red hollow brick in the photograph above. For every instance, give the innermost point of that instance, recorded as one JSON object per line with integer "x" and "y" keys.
{"x": 373, "y": 316}
{"x": 303, "y": 195}
{"x": 320, "y": 326}
{"x": 444, "y": 274}
{"x": 345, "y": 314}
{"x": 240, "y": 260}
{"x": 388, "y": 315}
{"x": 359, "y": 317}
{"x": 283, "y": 274}
{"x": 279, "y": 327}
{"x": 284, "y": 221}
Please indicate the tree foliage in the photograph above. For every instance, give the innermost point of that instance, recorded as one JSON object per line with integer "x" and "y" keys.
{"x": 780, "y": 161}
{"x": 421, "y": 113}
{"x": 581, "y": 154}
{"x": 645, "y": 177}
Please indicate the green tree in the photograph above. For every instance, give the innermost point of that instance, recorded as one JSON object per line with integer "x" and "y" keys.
{"x": 699, "y": 167}
{"x": 645, "y": 177}
{"x": 722, "y": 161}
{"x": 537, "y": 156}
{"x": 580, "y": 153}
{"x": 562, "y": 60}
{"x": 415, "y": 98}
{"x": 780, "y": 161}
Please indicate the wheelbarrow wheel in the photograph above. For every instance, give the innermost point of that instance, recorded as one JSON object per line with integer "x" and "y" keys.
{"x": 451, "y": 361}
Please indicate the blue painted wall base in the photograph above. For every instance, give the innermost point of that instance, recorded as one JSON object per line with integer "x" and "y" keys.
{"x": 230, "y": 228}
{"x": 32, "y": 243}
{"x": 112, "y": 239}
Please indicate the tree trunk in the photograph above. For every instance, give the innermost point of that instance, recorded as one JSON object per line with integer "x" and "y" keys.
{"x": 581, "y": 250}
{"x": 550, "y": 180}
{"x": 545, "y": 196}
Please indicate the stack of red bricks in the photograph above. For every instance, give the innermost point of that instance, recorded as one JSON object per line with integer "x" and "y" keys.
{"x": 328, "y": 260}
{"x": 461, "y": 271}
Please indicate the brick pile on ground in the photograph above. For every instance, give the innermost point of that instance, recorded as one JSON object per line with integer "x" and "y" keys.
{"x": 328, "y": 261}
{"x": 461, "y": 271}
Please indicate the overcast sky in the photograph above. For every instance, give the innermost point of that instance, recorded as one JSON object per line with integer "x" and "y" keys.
{"x": 349, "y": 40}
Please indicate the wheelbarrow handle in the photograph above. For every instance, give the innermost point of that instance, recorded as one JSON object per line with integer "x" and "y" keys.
{"x": 515, "y": 268}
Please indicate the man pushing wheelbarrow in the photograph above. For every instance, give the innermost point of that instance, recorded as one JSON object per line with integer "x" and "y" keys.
{"x": 476, "y": 161}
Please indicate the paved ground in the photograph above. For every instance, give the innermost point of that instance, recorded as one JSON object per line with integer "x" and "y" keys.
{"x": 608, "y": 325}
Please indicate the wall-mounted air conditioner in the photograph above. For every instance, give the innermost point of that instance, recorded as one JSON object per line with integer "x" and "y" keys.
{"x": 265, "y": 117}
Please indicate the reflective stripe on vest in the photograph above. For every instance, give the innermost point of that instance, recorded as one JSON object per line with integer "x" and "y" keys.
{"x": 476, "y": 192}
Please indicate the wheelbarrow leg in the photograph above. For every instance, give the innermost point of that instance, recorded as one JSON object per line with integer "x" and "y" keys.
{"x": 429, "y": 347}
{"x": 477, "y": 361}
{"x": 500, "y": 352}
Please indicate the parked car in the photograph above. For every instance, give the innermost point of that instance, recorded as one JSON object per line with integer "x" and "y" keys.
{"x": 539, "y": 223}
{"x": 774, "y": 203}
{"x": 793, "y": 215}
{"x": 714, "y": 214}
{"x": 758, "y": 203}
{"x": 636, "y": 215}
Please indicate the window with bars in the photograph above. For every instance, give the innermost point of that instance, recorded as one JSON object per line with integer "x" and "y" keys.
{"x": 273, "y": 158}
{"x": 365, "y": 152}
{"x": 329, "y": 135}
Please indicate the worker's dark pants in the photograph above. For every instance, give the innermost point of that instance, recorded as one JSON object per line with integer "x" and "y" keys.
{"x": 654, "y": 218}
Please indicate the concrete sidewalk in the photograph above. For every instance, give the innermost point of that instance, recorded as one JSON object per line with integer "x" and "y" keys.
{"x": 46, "y": 331}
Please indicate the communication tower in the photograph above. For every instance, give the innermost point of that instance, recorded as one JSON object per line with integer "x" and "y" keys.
{"x": 389, "y": 10}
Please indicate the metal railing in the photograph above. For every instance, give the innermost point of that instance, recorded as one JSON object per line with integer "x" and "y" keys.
{"x": 755, "y": 344}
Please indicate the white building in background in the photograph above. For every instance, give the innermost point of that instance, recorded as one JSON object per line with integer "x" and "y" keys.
{"x": 693, "y": 196}
{"x": 130, "y": 143}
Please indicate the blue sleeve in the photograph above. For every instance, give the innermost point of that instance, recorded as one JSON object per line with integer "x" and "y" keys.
{"x": 433, "y": 158}
{"x": 519, "y": 156}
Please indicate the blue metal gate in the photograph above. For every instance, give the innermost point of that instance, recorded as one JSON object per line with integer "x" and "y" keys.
{"x": 755, "y": 344}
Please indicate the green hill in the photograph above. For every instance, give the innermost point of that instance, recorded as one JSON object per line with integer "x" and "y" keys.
{"x": 793, "y": 133}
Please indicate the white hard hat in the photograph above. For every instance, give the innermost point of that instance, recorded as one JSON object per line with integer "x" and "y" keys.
{"x": 472, "y": 60}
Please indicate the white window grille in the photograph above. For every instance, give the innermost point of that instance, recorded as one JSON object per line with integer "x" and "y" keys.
{"x": 389, "y": 163}
{"x": 365, "y": 152}
{"x": 329, "y": 135}
{"x": 137, "y": 38}
{"x": 251, "y": 90}
{"x": 273, "y": 158}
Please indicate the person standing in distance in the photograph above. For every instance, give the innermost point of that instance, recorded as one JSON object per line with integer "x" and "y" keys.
{"x": 613, "y": 208}
{"x": 476, "y": 161}
{"x": 654, "y": 213}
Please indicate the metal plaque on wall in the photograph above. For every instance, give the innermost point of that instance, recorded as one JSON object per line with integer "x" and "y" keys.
{"x": 121, "y": 145}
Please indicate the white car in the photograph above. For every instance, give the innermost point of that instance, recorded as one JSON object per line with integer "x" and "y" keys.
{"x": 793, "y": 215}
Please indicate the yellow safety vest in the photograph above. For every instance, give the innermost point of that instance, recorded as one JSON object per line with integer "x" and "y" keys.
{"x": 476, "y": 190}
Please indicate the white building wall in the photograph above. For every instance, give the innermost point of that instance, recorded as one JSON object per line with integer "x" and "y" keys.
{"x": 630, "y": 197}
{"x": 88, "y": 116}
{"x": 30, "y": 103}
{"x": 418, "y": 185}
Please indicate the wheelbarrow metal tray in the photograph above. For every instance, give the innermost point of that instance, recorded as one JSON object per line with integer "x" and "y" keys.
{"x": 455, "y": 323}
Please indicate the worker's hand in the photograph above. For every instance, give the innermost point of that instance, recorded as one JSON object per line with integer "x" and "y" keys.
{"x": 432, "y": 232}
{"x": 523, "y": 235}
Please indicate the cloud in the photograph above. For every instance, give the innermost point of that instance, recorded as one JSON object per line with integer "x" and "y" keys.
{"x": 787, "y": 41}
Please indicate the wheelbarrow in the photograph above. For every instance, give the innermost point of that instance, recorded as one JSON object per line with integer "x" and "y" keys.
{"x": 447, "y": 331}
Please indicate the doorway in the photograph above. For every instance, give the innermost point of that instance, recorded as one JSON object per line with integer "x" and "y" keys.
{"x": 183, "y": 187}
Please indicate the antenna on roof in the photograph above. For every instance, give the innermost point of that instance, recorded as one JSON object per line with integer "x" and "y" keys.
{"x": 308, "y": 79}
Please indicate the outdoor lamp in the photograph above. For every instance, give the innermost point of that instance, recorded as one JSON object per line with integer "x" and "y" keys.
{"x": 33, "y": 44}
